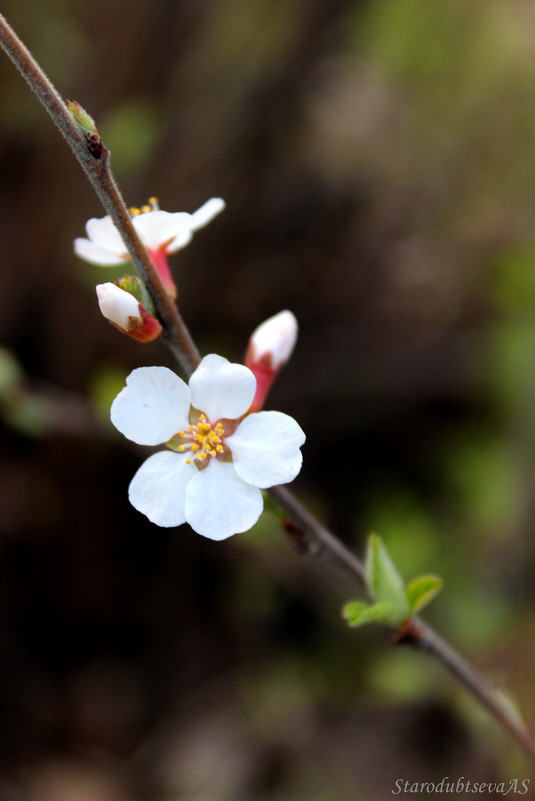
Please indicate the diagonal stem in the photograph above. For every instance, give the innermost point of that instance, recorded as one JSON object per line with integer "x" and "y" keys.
{"x": 314, "y": 538}
{"x": 97, "y": 169}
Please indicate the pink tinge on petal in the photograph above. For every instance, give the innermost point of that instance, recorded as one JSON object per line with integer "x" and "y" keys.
{"x": 159, "y": 259}
{"x": 265, "y": 375}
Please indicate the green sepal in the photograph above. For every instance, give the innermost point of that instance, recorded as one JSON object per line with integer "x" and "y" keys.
{"x": 174, "y": 442}
{"x": 136, "y": 287}
{"x": 358, "y": 613}
{"x": 422, "y": 590}
{"x": 83, "y": 120}
{"x": 384, "y": 582}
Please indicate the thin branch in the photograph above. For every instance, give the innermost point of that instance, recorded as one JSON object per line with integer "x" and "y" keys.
{"x": 310, "y": 536}
{"x": 314, "y": 539}
{"x": 97, "y": 169}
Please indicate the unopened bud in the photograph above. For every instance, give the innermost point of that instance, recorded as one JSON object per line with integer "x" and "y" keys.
{"x": 87, "y": 127}
{"x": 84, "y": 121}
{"x": 135, "y": 286}
{"x": 126, "y": 313}
{"x": 273, "y": 341}
{"x": 269, "y": 349}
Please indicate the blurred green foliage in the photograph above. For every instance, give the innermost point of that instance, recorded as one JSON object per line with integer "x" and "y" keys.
{"x": 130, "y": 133}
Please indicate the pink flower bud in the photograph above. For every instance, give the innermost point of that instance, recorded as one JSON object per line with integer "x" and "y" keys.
{"x": 269, "y": 349}
{"x": 124, "y": 311}
{"x": 273, "y": 341}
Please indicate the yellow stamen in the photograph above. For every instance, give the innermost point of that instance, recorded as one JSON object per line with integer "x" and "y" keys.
{"x": 202, "y": 440}
{"x": 151, "y": 205}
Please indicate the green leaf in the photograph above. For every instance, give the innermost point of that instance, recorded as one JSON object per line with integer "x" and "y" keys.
{"x": 384, "y": 582}
{"x": 422, "y": 590}
{"x": 357, "y": 613}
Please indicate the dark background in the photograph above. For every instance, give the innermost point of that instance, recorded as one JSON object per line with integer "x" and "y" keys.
{"x": 376, "y": 158}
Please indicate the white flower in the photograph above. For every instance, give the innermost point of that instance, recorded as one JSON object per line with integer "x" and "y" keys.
{"x": 161, "y": 232}
{"x": 157, "y": 230}
{"x": 221, "y": 459}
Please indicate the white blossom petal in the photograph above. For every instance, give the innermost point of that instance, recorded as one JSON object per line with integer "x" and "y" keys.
{"x": 180, "y": 241}
{"x": 103, "y": 232}
{"x": 275, "y": 338}
{"x": 207, "y": 212}
{"x": 95, "y": 254}
{"x": 265, "y": 449}
{"x": 152, "y": 407}
{"x": 117, "y": 305}
{"x": 158, "y": 227}
{"x": 219, "y": 504}
{"x": 158, "y": 488}
{"x": 221, "y": 389}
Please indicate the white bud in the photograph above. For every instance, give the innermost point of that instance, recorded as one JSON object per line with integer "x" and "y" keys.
{"x": 207, "y": 212}
{"x": 117, "y": 305}
{"x": 275, "y": 338}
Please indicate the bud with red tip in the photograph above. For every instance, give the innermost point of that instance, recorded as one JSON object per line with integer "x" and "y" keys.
{"x": 269, "y": 349}
{"x": 127, "y": 313}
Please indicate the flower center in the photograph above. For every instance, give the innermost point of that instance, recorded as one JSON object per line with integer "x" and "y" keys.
{"x": 152, "y": 205}
{"x": 201, "y": 440}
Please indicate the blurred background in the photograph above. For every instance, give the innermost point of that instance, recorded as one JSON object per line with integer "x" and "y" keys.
{"x": 377, "y": 162}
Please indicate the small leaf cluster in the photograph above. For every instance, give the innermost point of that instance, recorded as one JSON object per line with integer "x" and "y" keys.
{"x": 393, "y": 602}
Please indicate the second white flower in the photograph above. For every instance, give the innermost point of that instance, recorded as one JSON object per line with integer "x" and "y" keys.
{"x": 218, "y": 460}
